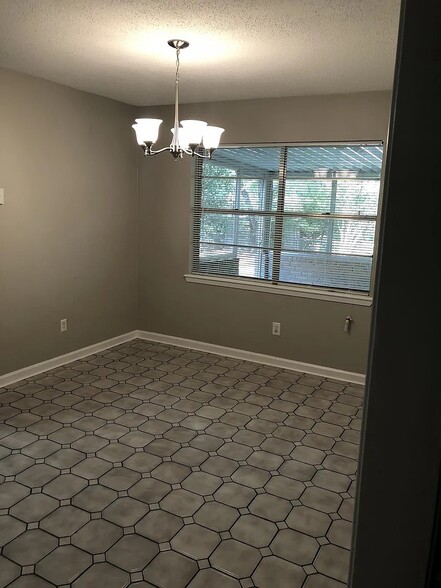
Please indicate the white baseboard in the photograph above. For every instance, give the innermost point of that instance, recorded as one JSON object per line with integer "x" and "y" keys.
{"x": 49, "y": 364}
{"x": 280, "y": 362}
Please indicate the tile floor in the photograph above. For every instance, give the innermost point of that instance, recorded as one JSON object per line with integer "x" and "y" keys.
{"x": 154, "y": 466}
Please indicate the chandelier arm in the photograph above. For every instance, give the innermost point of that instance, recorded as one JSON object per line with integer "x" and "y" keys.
{"x": 202, "y": 156}
{"x": 148, "y": 152}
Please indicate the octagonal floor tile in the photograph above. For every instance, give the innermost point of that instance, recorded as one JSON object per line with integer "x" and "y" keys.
{"x": 65, "y": 458}
{"x": 91, "y": 468}
{"x": 182, "y": 502}
{"x": 34, "y": 507}
{"x": 14, "y": 464}
{"x": 346, "y": 510}
{"x": 159, "y": 526}
{"x": 30, "y": 547}
{"x": 30, "y": 581}
{"x": 8, "y": 571}
{"x": 11, "y": 493}
{"x": 202, "y": 483}
{"x": 250, "y": 438}
{"x": 63, "y": 565}
{"x": 295, "y": 547}
{"x": 331, "y": 481}
{"x": 274, "y": 572}
{"x": 66, "y": 435}
{"x": 142, "y": 462}
{"x": 170, "y": 570}
{"x": 235, "y": 495}
{"x": 208, "y": 442}
{"x": 65, "y": 486}
{"x": 136, "y": 439}
{"x": 10, "y": 528}
{"x": 170, "y": 472}
{"x": 195, "y": 541}
{"x": 190, "y": 456}
{"x": 19, "y": 439}
{"x": 111, "y": 431}
{"x": 213, "y": 579}
{"x": 321, "y": 499}
{"x": 251, "y": 476}
{"x": 125, "y": 511}
{"x": 215, "y": 516}
{"x": 37, "y": 475}
{"x": 97, "y": 536}
{"x": 254, "y": 531}
{"x": 219, "y": 466}
{"x": 265, "y": 460}
{"x": 284, "y": 487}
{"x": 162, "y": 447}
{"x": 103, "y": 574}
{"x": 235, "y": 451}
{"x": 235, "y": 558}
{"x": 340, "y": 533}
{"x": 149, "y": 490}
{"x": 309, "y": 521}
{"x": 132, "y": 553}
{"x": 301, "y": 472}
{"x": 64, "y": 521}
{"x": 115, "y": 452}
{"x": 120, "y": 478}
{"x": 94, "y": 498}
{"x": 270, "y": 507}
{"x": 320, "y": 581}
{"x": 333, "y": 561}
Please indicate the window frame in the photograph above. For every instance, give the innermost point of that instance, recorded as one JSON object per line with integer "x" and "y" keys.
{"x": 271, "y": 285}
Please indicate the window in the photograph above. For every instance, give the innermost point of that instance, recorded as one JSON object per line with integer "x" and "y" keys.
{"x": 288, "y": 215}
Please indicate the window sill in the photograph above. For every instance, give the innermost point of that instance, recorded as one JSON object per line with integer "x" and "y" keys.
{"x": 281, "y": 289}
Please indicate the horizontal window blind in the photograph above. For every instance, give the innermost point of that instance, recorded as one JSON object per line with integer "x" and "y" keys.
{"x": 290, "y": 214}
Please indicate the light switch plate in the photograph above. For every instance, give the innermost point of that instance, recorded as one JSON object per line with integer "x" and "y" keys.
{"x": 2, "y": 196}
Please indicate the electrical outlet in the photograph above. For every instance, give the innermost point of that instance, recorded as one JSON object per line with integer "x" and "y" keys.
{"x": 63, "y": 325}
{"x": 276, "y": 329}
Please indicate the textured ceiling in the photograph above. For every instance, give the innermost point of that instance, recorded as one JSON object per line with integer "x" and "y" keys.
{"x": 239, "y": 48}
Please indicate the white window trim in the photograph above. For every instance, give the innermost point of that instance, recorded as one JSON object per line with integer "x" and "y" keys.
{"x": 297, "y": 290}
{"x": 282, "y": 289}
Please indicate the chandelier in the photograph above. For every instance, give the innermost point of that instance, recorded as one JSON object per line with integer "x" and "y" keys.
{"x": 187, "y": 136}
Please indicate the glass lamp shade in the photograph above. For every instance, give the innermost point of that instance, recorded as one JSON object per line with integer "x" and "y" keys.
{"x": 194, "y": 130}
{"x": 140, "y": 134}
{"x": 147, "y": 130}
{"x": 182, "y": 137}
{"x": 212, "y": 137}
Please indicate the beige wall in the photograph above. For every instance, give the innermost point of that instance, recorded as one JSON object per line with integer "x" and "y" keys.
{"x": 312, "y": 331}
{"x": 68, "y": 242}
{"x": 69, "y": 228}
